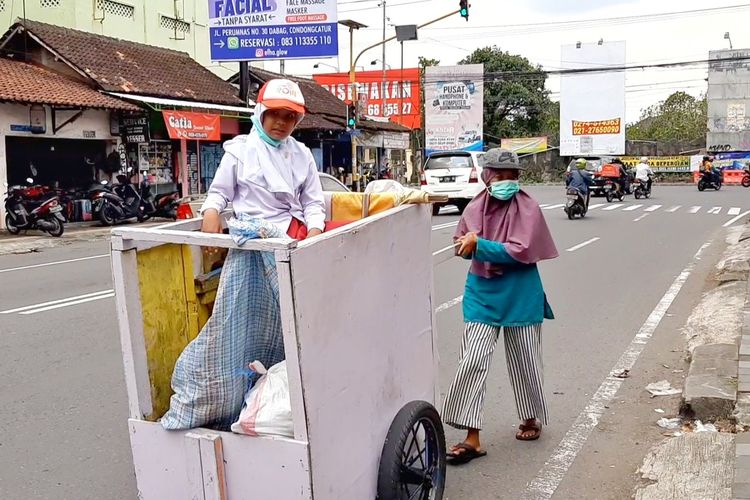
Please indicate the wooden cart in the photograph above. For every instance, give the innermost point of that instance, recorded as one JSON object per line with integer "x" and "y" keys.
{"x": 361, "y": 352}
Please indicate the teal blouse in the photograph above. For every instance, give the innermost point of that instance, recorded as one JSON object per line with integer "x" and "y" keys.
{"x": 514, "y": 298}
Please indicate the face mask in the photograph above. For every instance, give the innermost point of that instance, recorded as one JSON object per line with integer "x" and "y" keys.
{"x": 504, "y": 190}
{"x": 263, "y": 135}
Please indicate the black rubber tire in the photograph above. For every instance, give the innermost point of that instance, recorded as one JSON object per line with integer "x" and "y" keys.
{"x": 391, "y": 485}
{"x": 14, "y": 230}
{"x": 436, "y": 209}
{"x": 647, "y": 194}
{"x": 718, "y": 186}
{"x": 610, "y": 197}
{"x": 746, "y": 182}
{"x": 621, "y": 197}
{"x": 461, "y": 206}
{"x": 59, "y": 227}
{"x": 571, "y": 215}
{"x": 105, "y": 214}
{"x": 701, "y": 186}
{"x": 637, "y": 194}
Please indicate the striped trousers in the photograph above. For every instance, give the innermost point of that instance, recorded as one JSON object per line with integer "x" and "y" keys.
{"x": 464, "y": 403}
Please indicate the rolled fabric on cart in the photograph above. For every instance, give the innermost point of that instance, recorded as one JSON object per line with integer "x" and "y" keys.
{"x": 211, "y": 376}
{"x": 268, "y": 407}
{"x": 243, "y": 228}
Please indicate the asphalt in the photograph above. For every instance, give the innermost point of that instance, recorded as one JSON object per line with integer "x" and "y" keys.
{"x": 63, "y": 415}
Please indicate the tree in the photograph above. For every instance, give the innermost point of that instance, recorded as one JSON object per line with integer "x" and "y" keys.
{"x": 681, "y": 117}
{"x": 516, "y": 104}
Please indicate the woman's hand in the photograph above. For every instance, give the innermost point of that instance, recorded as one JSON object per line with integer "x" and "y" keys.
{"x": 211, "y": 224}
{"x": 314, "y": 232}
{"x": 468, "y": 244}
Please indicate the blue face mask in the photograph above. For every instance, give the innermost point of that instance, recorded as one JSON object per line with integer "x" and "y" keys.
{"x": 504, "y": 190}
{"x": 263, "y": 135}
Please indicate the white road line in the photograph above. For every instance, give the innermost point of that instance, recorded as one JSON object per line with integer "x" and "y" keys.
{"x": 543, "y": 486}
{"x": 68, "y": 304}
{"x": 47, "y": 264}
{"x": 674, "y": 209}
{"x": 444, "y": 226}
{"x": 585, "y": 243}
{"x": 715, "y": 211}
{"x": 734, "y": 211}
{"x": 631, "y": 208}
{"x": 552, "y": 207}
{"x": 639, "y": 219}
{"x": 60, "y": 301}
{"x": 613, "y": 207}
{"x": 732, "y": 221}
{"x": 653, "y": 208}
{"x": 449, "y": 304}
{"x": 695, "y": 210}
{"x": 592, "y": 207}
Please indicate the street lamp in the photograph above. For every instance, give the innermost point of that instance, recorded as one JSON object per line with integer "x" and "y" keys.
{"x": 727, "y": 37}
{"x": 353, "y": 25}
{"x": 376, "y": 61}
{"x": 318, "y": 65}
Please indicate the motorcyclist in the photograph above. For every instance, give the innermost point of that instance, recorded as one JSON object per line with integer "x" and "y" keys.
{"x": 580, "y": 179}
{"x": 624, "y": 179}
{"x": 711, "y": 175}
{"x": 644, "y": 173}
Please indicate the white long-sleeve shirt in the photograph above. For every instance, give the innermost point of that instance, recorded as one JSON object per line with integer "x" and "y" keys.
{"x": 271, "y": 183}
{"x": 642, "y": 171}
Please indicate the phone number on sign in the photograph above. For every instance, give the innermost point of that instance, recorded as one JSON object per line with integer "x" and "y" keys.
{"x": 597, "y": 128}
{"x": 306, "y": 41}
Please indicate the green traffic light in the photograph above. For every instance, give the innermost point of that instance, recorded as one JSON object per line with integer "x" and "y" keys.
{"x": 464, "y": 12}
{"x": 351, "y": 122}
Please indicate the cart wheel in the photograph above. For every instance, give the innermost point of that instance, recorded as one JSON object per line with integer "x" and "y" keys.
{"x": 413, "y": 461}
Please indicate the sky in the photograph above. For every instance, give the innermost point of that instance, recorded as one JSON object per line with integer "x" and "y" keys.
{"x": 526, "y": 28}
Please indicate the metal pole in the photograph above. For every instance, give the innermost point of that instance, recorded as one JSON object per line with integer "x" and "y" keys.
{"x": 282, "y": 67}
{"x": 401, "y": 94}
{"x": 352, "y": 79}
{"x": 244, "y": 81}
{"x": 382, "y": 84}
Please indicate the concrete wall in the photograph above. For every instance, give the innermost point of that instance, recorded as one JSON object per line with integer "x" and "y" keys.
{"x": 729, "y": 101}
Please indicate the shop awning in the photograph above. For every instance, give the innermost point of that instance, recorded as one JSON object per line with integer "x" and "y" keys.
{"x": 160, "y": 101}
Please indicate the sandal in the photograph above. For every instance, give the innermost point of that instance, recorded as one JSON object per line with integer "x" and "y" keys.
{"x": 466, "y": 453}
{"x": 524, "y": 428}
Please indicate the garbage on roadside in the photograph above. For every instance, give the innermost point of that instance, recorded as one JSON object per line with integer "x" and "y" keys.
{"x": 660, "y": 411}
{"x": 669, "y": 423}
{"x": 268, "y": 407}
{"x": 662, "y": 388}
{"x": 698, "y": 426}
{"x": 623, "y": 374}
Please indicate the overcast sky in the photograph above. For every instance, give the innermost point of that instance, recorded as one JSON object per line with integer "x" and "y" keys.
{"x": 524, "y": 28}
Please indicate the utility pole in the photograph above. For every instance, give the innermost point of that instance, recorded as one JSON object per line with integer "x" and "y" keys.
{"x": 382, "y": 84}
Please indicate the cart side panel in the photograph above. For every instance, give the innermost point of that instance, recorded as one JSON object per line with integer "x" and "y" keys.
{"x": 172, "y": 465}
{"x": 170, "y": 315}
{"x": 365, "y": 336}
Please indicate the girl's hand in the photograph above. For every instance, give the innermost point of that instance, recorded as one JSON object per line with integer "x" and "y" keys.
{"x": 211, "y": 224}
{"x": 314, "y": 232}
{"x": 468, "y": 244}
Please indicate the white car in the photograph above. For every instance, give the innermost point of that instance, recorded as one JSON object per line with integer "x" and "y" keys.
{"x": 456, "y": 174}
{"x": 332, "y": 184}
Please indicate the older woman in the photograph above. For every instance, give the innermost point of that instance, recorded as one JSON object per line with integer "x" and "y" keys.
{"x": 504, "y": 234}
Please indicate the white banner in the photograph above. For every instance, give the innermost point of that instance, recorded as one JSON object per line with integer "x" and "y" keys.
{"x": 454, "y": 108}
{"x": 592, "y": 104}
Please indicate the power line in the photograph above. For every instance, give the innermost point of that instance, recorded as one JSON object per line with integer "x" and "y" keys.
{"x": 389, "y": 6}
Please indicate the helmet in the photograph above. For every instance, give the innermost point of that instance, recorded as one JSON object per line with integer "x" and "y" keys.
{"x": 581, "y": 163}
{"x": 644, "y": 159}
{"x": 280, "y": 93}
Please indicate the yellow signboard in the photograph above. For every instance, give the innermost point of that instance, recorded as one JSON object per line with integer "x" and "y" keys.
{"x": 661, "y": 163}
{"x": 523, "y": 145}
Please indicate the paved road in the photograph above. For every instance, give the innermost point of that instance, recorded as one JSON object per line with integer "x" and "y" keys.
{"x": 62, "y": 419}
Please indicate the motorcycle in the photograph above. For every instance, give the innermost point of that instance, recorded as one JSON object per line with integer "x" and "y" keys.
{"x": 746, "y": 177}
{"x": 162, "y": 205}
{"x": 577, "y": 205}
{"x": 120, "y": 203}
{"x": 27, "y": 208}
{"x": 612, "y": 190}
{"x": 713, "y": 181}
{"x": 641, "y": 189}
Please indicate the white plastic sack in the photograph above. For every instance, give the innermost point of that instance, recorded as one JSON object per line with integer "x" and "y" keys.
{"x": 268, "y": 408}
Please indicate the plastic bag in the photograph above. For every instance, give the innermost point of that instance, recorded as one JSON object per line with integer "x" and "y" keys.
{"x": 268, "y": 409}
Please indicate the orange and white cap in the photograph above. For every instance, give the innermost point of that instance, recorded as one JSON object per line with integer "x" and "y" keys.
{"x": 282, "y": 94}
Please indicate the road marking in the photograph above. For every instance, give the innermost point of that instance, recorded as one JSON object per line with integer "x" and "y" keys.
{"x": 715, "y": 211}
{"x": 732, "y": 221}
{"x": 552, "y": 207}
{"x": 592, "y": 207}
{"x": 60, "y": 301}
{"x": 653, "y": 208}
{"x": 68, "y": 304}
{"x": 734, "y": 211}
{"x": 449, "y": 304}
{"x": 585, "y": 243}
{"x": 631, "y": 208}
{"x": 613, "y": 207}
{"x": 444, "y": 226}
{"x": 695, "y": 210}
{"x": 639, "y": 219}
{"x": 47, "y": 264}
{"x": 543, "y": 486}
{"x": 674, "y": 209}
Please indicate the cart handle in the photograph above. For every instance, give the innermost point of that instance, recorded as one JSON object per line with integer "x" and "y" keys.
{"x": 444, "y": 254}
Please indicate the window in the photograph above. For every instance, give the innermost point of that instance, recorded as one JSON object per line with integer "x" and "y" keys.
{"x": 331, "y": 185}
{"x": 177, "y": 25}
{"x": 49, "y": 3}
{"x": 455, "y": 161}
{"x": 116, "y": 8}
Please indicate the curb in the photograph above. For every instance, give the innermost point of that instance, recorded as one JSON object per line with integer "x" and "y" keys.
{"x": 741, "y": 485}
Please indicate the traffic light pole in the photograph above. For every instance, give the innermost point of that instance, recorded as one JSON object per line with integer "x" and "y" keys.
{"x": 353, "y": 79}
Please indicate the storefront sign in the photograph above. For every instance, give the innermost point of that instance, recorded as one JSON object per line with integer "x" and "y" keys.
{"x": 525, "y": 145}
{"x": 192, "y": 126}
{"x": 397, "y": 97}
{"x": 244, "y": 30}
{"x": 454, "y": 108}
{"x": 135, "y": 129}
{"x": 395, "y": 140}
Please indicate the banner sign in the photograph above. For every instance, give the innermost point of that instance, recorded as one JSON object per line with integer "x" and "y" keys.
{"x": 192, "y": 126}
{"x": 525, "y": 145}
{"x": 454, "y": 108}
{"x": 592, "y": 104}
{"x": 245, "y": 30}
{"x": 732, "y": 161}
{"x": 135, "y": 129}
{"x": 397, "y": 97}
{"x": 662, "y": 164}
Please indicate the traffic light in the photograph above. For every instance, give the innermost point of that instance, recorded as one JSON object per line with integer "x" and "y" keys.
{"x": 351, "y": 116}
{"x": 464, "y": 9}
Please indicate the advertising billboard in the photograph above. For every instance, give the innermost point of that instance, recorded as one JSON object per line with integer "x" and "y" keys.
{"x": 525, "y": 145}
{"x": 192, "y": 126}
{"x": 454, "y": 108}
{"x": 400, "y": 92}
{"x": 592, "y": 104}
{"x": 728, "y": 101}
{"x": 244, "y": 30}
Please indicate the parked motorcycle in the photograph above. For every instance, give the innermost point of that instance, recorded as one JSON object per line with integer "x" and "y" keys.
{"x": 120, "y": 203}
{"x": 641, "y": 189}
{"x": 577, "y": 205}
{"x": 713, "y": 181}
{"x": 26, "y": 208}
{"x": 162, "y": 205}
